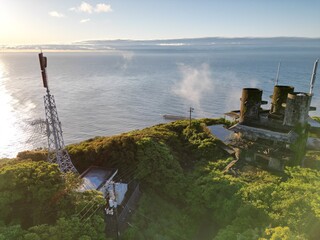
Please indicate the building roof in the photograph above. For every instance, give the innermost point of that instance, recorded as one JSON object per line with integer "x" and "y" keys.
{"x": 221, "y": 132}
{"x": 255, "y": 132}
{"x": 95, "y": 177}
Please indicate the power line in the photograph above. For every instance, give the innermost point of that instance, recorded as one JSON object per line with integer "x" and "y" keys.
{"x": 84, "y": 215}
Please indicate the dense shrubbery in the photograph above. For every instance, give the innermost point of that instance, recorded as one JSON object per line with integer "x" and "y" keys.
{"x": 27, "y": 190}
{"x": 186, "y": 195}
{"x": 158, "y": 218}
{"x": 312, "y": 160}
{"x": 254, "y": 205}
{"x": 260, "y": 204}
{"x": 65, "y": 228}
{"x": 38, "y": 155}
{"x": 185, "y": 144}
{"x": 38, "y": 202}
{"x": 158, "y": 169}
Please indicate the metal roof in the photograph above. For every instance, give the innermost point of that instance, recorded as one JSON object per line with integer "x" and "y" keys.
{"x": 95, "y": 177}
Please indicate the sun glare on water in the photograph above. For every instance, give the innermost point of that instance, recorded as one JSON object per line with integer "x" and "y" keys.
{"x": 10, "y": 132}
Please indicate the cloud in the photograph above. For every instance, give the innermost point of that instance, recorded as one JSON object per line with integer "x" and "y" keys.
{"x": 101, "y": 7}
{"x": 84, "y": 7}
{"x": 85, "y": 20}
{"x": 87, "y": 8}
{"x": 56, "y": 14}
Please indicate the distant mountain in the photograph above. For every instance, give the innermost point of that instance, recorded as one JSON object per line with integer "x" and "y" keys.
{"x": 206, "y": 41}
{"x": 92, "y": 45}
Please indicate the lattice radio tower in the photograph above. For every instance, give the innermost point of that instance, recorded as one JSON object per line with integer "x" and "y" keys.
{"x": 56, "y": 148}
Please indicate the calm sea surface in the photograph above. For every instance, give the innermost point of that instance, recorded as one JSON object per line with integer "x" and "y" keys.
{"x": 107, "y": 93}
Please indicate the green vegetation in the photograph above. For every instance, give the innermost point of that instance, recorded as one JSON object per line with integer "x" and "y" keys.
{"x": 312, "y": 160}
{"x": 38, "y": 202}
{"x": 317, "y": 119}
{"x": 186, "y": 194}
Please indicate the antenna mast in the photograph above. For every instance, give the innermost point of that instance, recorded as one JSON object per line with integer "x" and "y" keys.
{"x": 313, "y": 76}
{"x": 56, "y": 148}
{"x": 278, "y": 72}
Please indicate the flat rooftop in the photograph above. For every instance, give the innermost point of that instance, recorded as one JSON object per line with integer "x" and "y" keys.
{"x": 222, "y": 133}
{"x": 265, "y": 121}
{"x": 95, "y": 177}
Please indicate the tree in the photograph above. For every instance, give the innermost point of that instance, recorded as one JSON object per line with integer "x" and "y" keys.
{"x": 28, "y": 191}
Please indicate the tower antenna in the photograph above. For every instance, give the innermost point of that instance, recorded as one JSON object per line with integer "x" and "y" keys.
{"x": 278, "y": 72}
{"x": 56, "y": 148}
{"x": 313, "y": 76}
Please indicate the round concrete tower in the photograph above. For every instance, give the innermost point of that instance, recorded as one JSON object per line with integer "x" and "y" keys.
{"x": 250, "y": 104}
{"x": 280, "y": 94}
{"x": 297, "y": 108}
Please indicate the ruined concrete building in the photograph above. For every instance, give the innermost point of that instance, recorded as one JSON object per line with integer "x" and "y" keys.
{"x": 277, "y": 136}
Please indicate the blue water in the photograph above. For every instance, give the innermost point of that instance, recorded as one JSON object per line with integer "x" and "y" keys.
{"x": 106, "y": 93}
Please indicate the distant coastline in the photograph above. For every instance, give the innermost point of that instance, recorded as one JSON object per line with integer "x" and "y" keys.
{"x": 125, "y": 44}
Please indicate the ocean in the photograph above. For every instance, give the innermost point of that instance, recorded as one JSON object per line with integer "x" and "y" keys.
{"x": 102, "y": 93}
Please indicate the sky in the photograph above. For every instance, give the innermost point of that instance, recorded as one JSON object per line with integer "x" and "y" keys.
{"x": 67, "y": 21}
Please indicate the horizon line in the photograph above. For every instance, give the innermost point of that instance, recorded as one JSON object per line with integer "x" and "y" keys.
{"x": 158, "y": 39}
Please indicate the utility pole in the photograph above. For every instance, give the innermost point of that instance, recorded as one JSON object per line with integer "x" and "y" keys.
{"x": 56, "y": 148}
{"x": 190, "y": 111}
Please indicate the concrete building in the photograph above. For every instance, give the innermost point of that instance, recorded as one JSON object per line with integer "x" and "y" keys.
{"x": 272, "y": 137}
